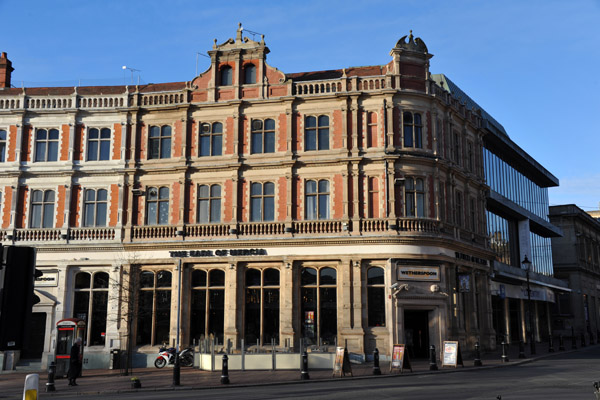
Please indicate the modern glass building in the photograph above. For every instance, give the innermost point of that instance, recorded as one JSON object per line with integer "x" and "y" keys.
{"x": 518, "y": 227}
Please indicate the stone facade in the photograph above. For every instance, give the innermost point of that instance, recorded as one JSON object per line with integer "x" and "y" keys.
{"x": 343, "y": 206}
{"x": 577, "y": 261}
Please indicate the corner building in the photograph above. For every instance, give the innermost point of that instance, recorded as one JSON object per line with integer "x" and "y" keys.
{"x": 343, "y": 206}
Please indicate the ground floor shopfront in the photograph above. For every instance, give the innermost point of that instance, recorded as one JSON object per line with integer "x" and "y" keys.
{"x": 363, "y": 296}
{"x": 517, "y": 312}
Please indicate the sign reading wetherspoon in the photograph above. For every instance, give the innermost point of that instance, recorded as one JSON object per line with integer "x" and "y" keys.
{"x": 48, "y": 279}
{"x": 218, "y": 253}
{"x": 410, "y": 273}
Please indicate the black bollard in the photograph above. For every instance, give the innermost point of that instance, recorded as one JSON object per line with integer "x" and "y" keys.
{"x": 550, "y": 345}
{"x": 225, "y": 370}
{"x": 477, "y": 360}
{"x": 561, "y": 343}
{"x": 304, "y": 373}
{"x": 376, "y": 369}
{"x": 51, "y": 372}
{"x": 504, "y": 352}
{"x": 432, "y": 362}
{"x": 176, "y": 370}
{"x": 521, "y": 349}
{"x": 573, "y": 339}
{"x": 582, "y": 339}
{"x": 591, "y": 337}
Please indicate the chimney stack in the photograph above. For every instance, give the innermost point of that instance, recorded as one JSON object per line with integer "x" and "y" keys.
{"x": 5, "y": 71}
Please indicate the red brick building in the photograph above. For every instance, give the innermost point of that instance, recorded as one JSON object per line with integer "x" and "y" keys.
{"x": 342, "y": 206}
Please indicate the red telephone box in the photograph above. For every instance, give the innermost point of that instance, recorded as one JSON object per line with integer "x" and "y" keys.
{"x": 67, "y": 331}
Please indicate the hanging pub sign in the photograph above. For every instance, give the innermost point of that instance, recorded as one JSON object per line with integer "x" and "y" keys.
{"x": 451, "y": 356}
{"x": 464, "y": 283}
{"x": 412, "y": 273}
{"x": 341, "y": 364}
{"x": 399, "y": 359}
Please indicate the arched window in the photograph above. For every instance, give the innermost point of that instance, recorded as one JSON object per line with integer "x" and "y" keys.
{"x": 157, "y": 206}
{"x": 42, "y": 209}
{"x": 46, "y": 145}
{"x": 413, "y": 130}
{"x": 159, "y": 142}
{"x": 95, "y": 207}
{"x": 262, "y": 136}
{"x": 209, "y": 203}
{"x": 262, "y": 202}
{"x": 90, "y": 303}
{"x": 317, "y": 199}
{"x": 208, "y": 304}
{"x": 261, "y": 316}
{"x": 211, "y": 139}
{"x": 414, "y": 197}
{"x": 319, "y": 304}
{"x": 226, "y": 76}
{"x": 98, "y": 144}
{"x": 376, "y": 296}
{"x": 154, "y": 308}
{"x": 316, "y": 133}
{"x": 249, "y": 74}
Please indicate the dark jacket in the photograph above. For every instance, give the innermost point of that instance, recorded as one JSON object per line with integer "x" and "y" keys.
{"x": 74, "y": 364}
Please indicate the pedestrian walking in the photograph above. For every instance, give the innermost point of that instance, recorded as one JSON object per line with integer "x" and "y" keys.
{"x": 74, "y": 363}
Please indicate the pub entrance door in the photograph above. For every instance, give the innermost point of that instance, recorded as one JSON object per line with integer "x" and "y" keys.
{"x": 416, "y": 332}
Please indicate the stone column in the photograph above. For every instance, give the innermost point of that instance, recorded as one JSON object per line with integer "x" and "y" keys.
{"x": 184, "y": 138}
{"x": 19, "y": 144}
{"x": 389, "y": 123}
{"x": 355, "y": 204}
{"x": 391, "y": 192}
{"x": 355, "y": 110}
{"x": 345, "y": 125}
{"x": 506, "y": 327}
{"x": 233, "y": 287}
{"x": 287, "y": 314}
{"x": 346, "y": 194}
{"x": 289, "y": 117}
{"x": 72, "y": 126}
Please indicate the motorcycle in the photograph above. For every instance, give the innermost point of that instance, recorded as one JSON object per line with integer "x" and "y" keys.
{"x": 167, "y": 356}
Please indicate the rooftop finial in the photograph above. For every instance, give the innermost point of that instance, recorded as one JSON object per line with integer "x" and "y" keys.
{"x": 215, "y": 44}
{"x": 238, "y": 37}
{"x": 412, "y": 43}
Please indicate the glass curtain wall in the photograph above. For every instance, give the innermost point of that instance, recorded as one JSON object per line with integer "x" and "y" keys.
{"x": 541, "y": 257}
{"x": 512, "y": 184}
{"x": 499, "y": 233}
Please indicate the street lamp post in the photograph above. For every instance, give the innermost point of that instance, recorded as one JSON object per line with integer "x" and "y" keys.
{"x": 177, "y": 366}
{"x": 527, "y": 266}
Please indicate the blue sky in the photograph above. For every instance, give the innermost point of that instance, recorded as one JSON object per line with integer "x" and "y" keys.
{"x": 534, "y": 65}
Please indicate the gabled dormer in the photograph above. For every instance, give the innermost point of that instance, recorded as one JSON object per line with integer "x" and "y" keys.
{"x": 239, "y": 70}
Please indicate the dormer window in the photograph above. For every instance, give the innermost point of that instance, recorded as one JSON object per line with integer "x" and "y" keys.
{"x": 249, "y": 74}
{"x": 226, "y": 76}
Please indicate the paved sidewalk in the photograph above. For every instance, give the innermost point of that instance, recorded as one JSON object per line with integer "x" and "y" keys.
{"x": 152, "y": 379}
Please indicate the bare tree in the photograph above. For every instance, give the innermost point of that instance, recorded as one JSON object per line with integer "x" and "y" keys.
{"x": 124, "y": 288}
